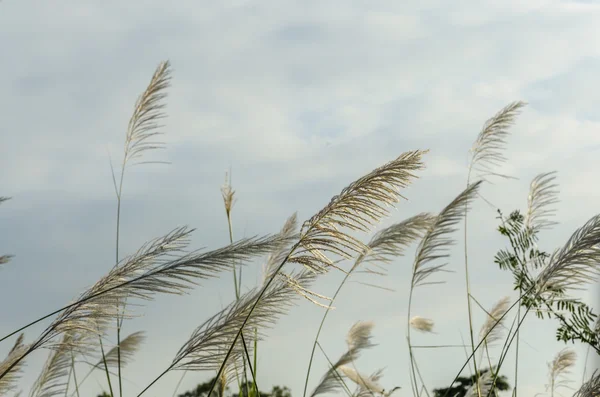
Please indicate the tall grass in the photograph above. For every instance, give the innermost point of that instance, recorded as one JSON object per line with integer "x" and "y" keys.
{"x": 331, "y": 240}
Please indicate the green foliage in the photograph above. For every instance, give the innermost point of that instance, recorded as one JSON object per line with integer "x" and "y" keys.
{"x": 460, "y": 387}
{"x": 523, "y": 259}
{"x": 202, "y": 390}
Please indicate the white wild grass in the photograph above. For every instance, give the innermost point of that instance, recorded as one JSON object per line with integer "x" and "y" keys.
{"x": 166, "y": 265}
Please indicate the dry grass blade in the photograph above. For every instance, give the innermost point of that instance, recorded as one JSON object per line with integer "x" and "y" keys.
{"x": 491, "y": 141}
{"x": 559, "y": 368}
{"x": 390, "y": 243}
{"x": 143, "y": 125}
{"x": 357, "y": 208}
{"x": 422, "y": 324}
{"x": 542, "y": 194}
{"x": 436, "y": 242}
{"x": 492, "y": 327}
{"x": 129, "y": 346}
{"x": 289, "y": 234}
{"x": 8, "y": 382}
{"x": 357, "y": 339}
{"x": 591, "y": 388}
{"x": 577, "y": 263}
{"x": 207, "y": 347}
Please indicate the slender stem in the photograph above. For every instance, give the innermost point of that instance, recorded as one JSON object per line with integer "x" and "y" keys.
{"x": 421, "y": 379}
{"x": 468, "y": 290}
{"x": 237, "y": 297}
{"x": 179, "y": 383}
{"x": 410, "y": 352}
{"x": 74, "y": 374}
{"x": 517, "y": 347}
{"x": 235, "y": 282}
{"x": 119, "y": 320}
{"x": 483, "y": 339}
{"x": 160, "y": 376}
{"x": 106, "y": 367}
{"x": 258, "y": 298}
{"x": 312, "y": 353}
{"x": 69, "y": 377}
{"x": 255, "y": 353}
{"x": 337, "y": 375}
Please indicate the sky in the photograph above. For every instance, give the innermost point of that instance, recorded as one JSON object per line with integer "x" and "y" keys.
{"x": 298, "y": 99}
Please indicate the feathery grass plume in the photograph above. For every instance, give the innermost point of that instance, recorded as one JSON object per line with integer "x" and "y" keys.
{"x": 558, "y": 368}
{"x": 363, "y": 381}
{"x": 492, "y": 327}
{"x": 487, "y": 154}
{"x": 129, "y": 347}
{"x": 142, "y": 130}
{"x": 228, "y": 195}
{"x": 288, "y": 232}
{"x": 591, "y": 388}
{"x": 577, "y": 263}
{"x": 207, "y": 347}
{"x": 373, "y": 379}
{"x": 51, "y": 382}
{"x": 143, "y": 125}
{"x": 359, "y": 206}
{"x": 484, "y": 384}
{"x": 421, "y": 324}
{"x": 152, "y": 270}
{"x": 357, "y": 339}
{"x": 390, "y": 243}
{"x": 542, "y": 194}
{"x": 491, "y": 141}
{"x": 384, "y": 246}
{"x": 9, "y": 381}
{"x": 435, "y": 244}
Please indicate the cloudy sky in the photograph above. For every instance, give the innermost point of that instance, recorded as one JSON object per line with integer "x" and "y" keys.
{"x": 298, "y": 98}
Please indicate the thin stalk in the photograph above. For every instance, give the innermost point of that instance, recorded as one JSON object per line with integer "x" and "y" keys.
{"x": 254, "y": 375}
{"x": 179, "y": 383}
{"x": 237, "y": 297}
{"x": 421, "y": 379}
{"x": 517, "y": 348}
{"x": 483, "y": 339}
{"x": 337, "y": 374}
{"x": 119, "y": 319}
{"x": 69, "y": 377}
{"x": 74, "y": 374}
{"x": 468, "y": 289}
{"x": 410, "y": 352}
{"x": 106, "y": 367}
{"x": 312, "y": 353}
